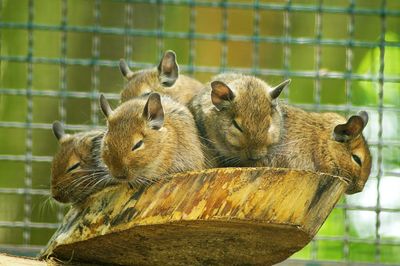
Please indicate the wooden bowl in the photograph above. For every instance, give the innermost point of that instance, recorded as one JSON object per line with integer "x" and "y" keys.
{"x": 216, "y": 216}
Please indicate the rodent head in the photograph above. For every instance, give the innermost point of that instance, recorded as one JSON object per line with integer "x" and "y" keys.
{"x": 351, "y": 152}
{"x": 134, "y": 138}
{"x": 75, "y": 170}
{"x": 246, "y": 119}
{"x": 144, "y": 82}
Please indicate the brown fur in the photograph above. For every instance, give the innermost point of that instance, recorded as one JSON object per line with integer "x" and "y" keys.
{"x": 144, "y": 82}
{"x": 88, "y": 177}
{"x": 252, "y": 108}
{"x": 175, "y": 147}
{"x": 307, "y": 143}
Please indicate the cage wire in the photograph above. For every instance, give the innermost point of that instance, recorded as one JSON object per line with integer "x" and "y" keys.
{"x": 209, "y": 38}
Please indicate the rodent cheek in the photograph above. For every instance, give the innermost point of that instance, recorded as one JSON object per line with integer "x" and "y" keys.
{"x": 104, "y": 149}
{"x": 104, "y": 152}
{"x": 128, "y": 160}
{"x": 107, "y": 158}
{"x": 273, "y": 133}
{"x": 259, "y": 152}
{"x": 343, "y": 158}
{"x": 233, "y": 139}
{"x": 366, "y": 166}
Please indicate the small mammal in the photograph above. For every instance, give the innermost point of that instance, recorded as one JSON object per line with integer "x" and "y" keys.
{"x": 322, "y": 142}
{"x": 149, "y": 137}
{"x": 164, "y": 79}
{"x": 77, "y": 170}
{"x": 238, "y": 118}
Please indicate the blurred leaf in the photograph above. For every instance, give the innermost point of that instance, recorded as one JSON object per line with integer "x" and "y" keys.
{"x": 366, "y": 92}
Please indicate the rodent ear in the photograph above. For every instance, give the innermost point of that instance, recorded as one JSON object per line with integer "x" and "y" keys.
{"x": 364, "y": 117}
{"x": 221, "y": 94}
{"x": 350, "y": 130}
{"x": 58, "y": 130}
{"x": 276, "y": 91}
{"x": 168, "y": 70}
{"x": 105, "y": 106}
{"x": 154, "y": 112}
{"x": 125, "y": 70}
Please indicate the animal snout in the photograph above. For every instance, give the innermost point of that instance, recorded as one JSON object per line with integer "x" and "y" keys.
{"x": 254, "y": 158}
{"x": 355, "y": 187}
{"x": 255, "y": 155}
{"x": 118, "y": 174}
{"x": 59, "y": 196}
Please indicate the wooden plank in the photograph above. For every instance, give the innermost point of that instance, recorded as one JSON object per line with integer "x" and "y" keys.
{"x": 8, "y": 260}
{"x": 217, "y": 216}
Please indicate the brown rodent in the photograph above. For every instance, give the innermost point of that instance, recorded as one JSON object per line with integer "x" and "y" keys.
{"x": 238, "y": 118}
{"x": 149, "y": 137}
{"x": 322, "y": 142}
{"x": 76, "y": 170}
{"x": 164, "y": 79}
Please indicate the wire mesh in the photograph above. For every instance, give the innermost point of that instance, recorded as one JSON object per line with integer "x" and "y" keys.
{"x": 270, "y": 39}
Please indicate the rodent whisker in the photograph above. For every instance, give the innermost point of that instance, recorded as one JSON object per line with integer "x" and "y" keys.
{"x": 89, "y": 178}
{"x": 76, "y": 178}
{"x": 66, "y": 182}
{"x": 143, "y": 181}
{"x": 135, "y": 183}
{"x": 231, "y": 161}
{"x": 130, "y": 185}
{"x": 47, "y": 203}
{"x": 85, "y": 178}
{"x": 146, "y": 181}
{"x": 221, "y": 153}
{"x": 227, "y": 159}
{"x": 207, "y": 161}
{"x": 344, "y": 173}
{"x": 108, "y": 182}
{"x": 212, "y": 148}
{"x": 99, "y": 183}
{"x": 90, "y": 187}
{"x": 207, "y": 139}
{"x": 92, "y": 183}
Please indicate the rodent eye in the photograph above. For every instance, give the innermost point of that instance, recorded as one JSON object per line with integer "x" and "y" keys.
{"x": 137, "y": 145}
{"x": 73, "y": 167}
{"x": 356, "y": 159}
{"x": 235, "y": 124}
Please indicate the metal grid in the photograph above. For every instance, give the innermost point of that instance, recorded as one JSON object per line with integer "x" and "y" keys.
{"x": 159, "y": 35}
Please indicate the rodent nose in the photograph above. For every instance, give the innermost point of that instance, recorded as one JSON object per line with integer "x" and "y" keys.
{"x": 118, "y": 173}
{"x": 354, "y": 188}
{"x": 254, "y": 156}
{"x": 59, "y": 197}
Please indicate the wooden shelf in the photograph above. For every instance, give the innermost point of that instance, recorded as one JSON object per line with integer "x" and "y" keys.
{"x": 216, "y": 216}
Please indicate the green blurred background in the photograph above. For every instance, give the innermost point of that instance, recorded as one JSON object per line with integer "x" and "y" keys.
{"x": 72, "y": 48}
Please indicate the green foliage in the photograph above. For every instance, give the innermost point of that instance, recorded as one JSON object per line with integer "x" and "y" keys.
{"x": 366, "y": 92}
